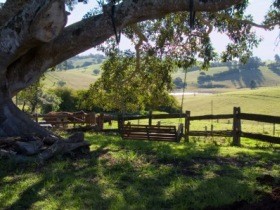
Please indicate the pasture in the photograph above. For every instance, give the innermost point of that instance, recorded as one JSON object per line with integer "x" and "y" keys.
{"x": 260, "y": 101}
{"x": 78, "y": 78}
{"x": 82, "y": 77}
{"x": 263, "y": 76}
{"x": 120, "y": 174}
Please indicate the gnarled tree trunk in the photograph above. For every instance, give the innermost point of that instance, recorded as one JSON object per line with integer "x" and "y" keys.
{"x": 14, "y": 122}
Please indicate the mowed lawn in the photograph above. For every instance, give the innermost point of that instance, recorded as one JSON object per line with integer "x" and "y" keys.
{"x": 119, "y": 174}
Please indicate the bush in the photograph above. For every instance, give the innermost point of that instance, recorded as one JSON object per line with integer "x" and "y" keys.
{"x": 179, "y": 82}
{"x": 68, "y": 99}
{"x": 96, "y": 71}
{"x": 85, "y": 64}
{"x": 253, "y": 84}
{"x": 61, "y": 83}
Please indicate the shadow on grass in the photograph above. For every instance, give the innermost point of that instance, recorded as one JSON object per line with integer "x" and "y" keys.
{"x": 128, "y": 174}
{"x": 59, "y": 181}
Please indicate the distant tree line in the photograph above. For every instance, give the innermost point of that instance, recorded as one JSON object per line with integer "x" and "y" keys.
{"x": 249, "y": 73}
{"x": 275, "y": 66}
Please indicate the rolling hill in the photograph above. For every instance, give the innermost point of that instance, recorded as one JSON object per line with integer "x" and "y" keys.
{"x": 223, "y": 77}
{"x": 263, "y": 100}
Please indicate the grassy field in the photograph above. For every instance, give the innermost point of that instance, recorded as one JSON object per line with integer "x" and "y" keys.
{"x": 120, "y": 174}
{"x": 81, "y": 78}
{"x": 77, "y": 79}
{"x": 264, "y": 77}
{"x": 258, "y": 101}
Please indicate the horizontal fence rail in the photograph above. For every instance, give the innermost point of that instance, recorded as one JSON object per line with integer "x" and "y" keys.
{"x": 236, "y": 132}
{"x": 260, "y": 118}
{"x": 261, "y": 137}
{"x": 212, "y": 117}
{"x": 211, "y": 133}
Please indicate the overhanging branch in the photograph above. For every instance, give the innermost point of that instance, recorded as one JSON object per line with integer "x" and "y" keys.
{"x": 249, "y": 22}
{"x": 95, "y": 30}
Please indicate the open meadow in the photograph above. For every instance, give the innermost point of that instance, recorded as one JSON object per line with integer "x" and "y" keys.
{"x": 77, "y": 79}
{"x": 261, "y": 101}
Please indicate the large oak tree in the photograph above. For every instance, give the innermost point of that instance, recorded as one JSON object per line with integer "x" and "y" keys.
{"x": 34, "y": 37}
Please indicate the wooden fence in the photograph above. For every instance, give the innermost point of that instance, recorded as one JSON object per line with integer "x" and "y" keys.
{"x": 58, "y": 119}
{"x": 236, "y": 132}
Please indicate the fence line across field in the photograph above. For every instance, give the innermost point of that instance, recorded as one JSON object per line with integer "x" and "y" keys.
{"x": 236, "y": 132}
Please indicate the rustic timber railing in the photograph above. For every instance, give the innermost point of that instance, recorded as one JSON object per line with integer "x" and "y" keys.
{"x": 57, "y": 119}
{"x": 236, "y": 131}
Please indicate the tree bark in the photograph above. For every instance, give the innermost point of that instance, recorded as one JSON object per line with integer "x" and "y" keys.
{"x": 14, "y": 122}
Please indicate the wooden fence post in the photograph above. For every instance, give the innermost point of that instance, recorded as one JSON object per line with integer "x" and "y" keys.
{"x": 187, "y": 125}
{"x": 236, "y": 131}
{"x": 150, "y": 117}
{"x": 101, "y": 121}
{"x": 36, "y": 117}
{"x": 120, "y": 123}
{"x": 92, "y": 118}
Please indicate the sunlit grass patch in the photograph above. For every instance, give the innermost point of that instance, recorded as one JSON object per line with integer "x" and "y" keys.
{"x": 119, "y": 174}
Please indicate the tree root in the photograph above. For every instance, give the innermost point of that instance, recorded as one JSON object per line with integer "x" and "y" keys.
{"x": 35, "y": 149}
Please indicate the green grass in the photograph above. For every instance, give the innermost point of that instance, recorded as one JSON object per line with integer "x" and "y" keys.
{"x": 267, "y": 79}
{"x": 79, "y": 78}
{"x": 258, "y": 101}
{"x": 120, "y": 174}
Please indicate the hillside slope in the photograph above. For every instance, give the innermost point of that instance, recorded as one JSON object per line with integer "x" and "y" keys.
{"x": 81, "y": 71}
{"x": 260, "y": 100}
{"x": 78, "y": 78}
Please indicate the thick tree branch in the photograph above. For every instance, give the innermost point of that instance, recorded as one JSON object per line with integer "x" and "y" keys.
{"x": 39, "y": 21}
{"x": 95, "y": 30}
{"x": 10, "y": 9}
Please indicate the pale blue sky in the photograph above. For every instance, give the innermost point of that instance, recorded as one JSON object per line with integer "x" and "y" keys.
{"x": 266, "y": 50}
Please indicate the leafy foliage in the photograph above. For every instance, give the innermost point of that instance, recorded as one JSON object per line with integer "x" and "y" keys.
{"x": 123, "y": 87}
{"x": 275, "y": 66}
{"x": 31, "y": 96}
{"x": 68, "y": 99}
{"x": 272, "y": 18}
